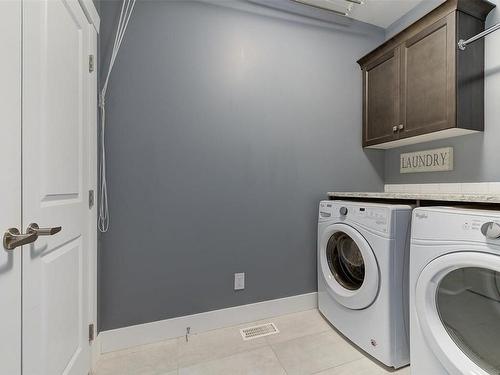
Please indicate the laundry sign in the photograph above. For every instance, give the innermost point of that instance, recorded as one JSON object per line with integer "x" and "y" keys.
{"x": 437, "y": 160}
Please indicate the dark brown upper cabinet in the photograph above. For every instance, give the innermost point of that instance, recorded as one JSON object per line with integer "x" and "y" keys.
{"x": 419, "y": 86}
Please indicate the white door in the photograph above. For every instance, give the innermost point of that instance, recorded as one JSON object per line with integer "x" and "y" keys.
{"x": 349, "y": 266}
{"x": 10, "y": 185}
{"x": 457, "y": 298}
{"x": 54, "y": 185}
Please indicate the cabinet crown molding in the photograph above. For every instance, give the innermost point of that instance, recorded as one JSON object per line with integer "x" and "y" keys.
{"x": 475, "y": 8}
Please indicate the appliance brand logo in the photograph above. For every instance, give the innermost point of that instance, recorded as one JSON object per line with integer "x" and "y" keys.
{"x": 420, "y": 216}
{"x": 436, "y": 160}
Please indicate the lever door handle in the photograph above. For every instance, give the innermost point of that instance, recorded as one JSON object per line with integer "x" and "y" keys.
{"x": 34, "y": 228}
{"x": 12, "y": 238}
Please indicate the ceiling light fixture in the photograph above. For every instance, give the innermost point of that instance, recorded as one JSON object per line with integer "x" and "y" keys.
{"x": 331, "y": 6}
{"x": 317, "y": 4}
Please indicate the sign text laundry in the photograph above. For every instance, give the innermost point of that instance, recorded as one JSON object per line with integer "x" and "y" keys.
{"x": 437, "y": 160}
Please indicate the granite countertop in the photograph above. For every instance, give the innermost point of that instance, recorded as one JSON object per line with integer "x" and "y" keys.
{"x": 448, "y": 197}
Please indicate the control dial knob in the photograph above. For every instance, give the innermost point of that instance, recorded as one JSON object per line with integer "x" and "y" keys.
{"x": 491, "y": 230}
{"x": 343, "y": 211}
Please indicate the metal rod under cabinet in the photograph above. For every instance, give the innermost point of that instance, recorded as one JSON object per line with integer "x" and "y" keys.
{"x": 462, "y": 44}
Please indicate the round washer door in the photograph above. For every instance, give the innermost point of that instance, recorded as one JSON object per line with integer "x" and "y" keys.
{"x": 349, "y": 266}
{"x": 457, "y": 299}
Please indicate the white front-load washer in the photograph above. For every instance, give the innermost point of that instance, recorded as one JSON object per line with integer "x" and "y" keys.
{"x": 362, "y": 260}
{"x": 455, "y": 291}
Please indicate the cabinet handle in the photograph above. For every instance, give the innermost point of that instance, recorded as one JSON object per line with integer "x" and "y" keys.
{"x": 401, "y": 126}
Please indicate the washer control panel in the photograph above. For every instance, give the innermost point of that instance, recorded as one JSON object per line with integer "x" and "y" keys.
{"x": 373, "y": 217}
{"x": 370, "y": 216}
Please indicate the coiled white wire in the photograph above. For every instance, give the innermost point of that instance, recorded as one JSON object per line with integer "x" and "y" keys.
{"x": 126, "y": 12}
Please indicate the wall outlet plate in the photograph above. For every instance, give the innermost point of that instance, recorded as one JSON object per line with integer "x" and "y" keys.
{"x": 239, "y": 281}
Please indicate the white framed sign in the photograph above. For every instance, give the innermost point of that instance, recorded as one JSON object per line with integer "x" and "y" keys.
{"x": 436, "y": 160}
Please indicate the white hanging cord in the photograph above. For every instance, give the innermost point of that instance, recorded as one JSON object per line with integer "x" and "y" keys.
{"x": 125, "y": 13}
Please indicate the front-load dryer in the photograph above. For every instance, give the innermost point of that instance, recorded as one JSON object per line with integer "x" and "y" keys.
{"x": 455, "y": 291}
{"x": 362, "y": 257}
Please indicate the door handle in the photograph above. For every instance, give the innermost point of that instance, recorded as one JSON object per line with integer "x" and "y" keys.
{"x": 12, "y": 238}
{"x": 35, "y": 229}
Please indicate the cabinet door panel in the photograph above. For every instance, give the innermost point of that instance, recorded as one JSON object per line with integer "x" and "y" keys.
{"x": 381, "y": 98}
{"x": 428, "y": 85}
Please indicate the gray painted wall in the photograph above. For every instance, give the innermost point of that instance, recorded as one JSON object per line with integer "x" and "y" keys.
{"x": 225, "y": 129}
{"x": 477, "y": 157}
{"x": 414, "y": 15}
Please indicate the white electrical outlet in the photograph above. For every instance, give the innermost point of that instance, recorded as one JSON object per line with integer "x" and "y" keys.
{"x": 239, "y": 281}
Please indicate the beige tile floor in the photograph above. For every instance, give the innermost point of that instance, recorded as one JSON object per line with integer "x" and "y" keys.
{"x": 306, "y": 344}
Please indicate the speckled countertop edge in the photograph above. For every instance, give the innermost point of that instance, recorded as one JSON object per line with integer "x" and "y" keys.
{"x": 449, "y": 197}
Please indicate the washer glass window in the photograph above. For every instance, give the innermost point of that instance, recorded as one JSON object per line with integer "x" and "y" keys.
{"x": 468, "y": 302}
{"x": 345, "y": 261}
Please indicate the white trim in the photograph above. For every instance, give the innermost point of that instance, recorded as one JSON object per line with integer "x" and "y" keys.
{"x": 127, "y": 337}
{"x": 92, "y": 185}
{"x": 91, "y": 13}
{"x": 95, "y": 351}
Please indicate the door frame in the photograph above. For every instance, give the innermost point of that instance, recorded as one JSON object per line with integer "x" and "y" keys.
{"x": 92, "y": 187}
{"x": 94, "y": 20}
{"x": 433, "y": 330}
{"x": 91, "y": 13}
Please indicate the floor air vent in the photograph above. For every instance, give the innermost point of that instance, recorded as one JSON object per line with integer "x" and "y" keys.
{"x": 261, "y": 330}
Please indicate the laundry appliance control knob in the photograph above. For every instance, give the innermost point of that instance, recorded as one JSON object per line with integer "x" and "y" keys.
{"x": 343, "y": 211}
{"x": 491, "y": 230}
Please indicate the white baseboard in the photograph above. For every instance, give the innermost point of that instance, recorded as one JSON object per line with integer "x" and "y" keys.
{"x": 127, "y": 337}
{"x": 95, "y": 351}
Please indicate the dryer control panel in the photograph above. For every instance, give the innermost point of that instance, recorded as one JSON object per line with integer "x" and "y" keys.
{"x": 455, "y": 224}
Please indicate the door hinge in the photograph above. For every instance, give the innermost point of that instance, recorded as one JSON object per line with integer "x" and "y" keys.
{"x": 91, "y": 63}
{"x": 91, "y": 332}
{"x": 91, "y": 198}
